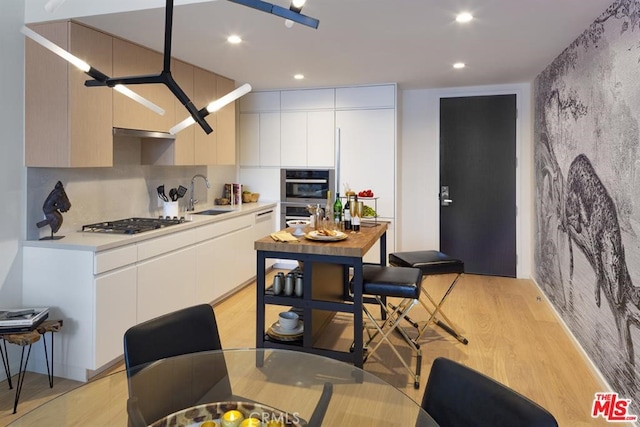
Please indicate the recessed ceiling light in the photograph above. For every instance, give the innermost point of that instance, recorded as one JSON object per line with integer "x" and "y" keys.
{"x": 298, "y": 76}
{"x": 234, "y": 39}
{"x": 464, "y": 17}
{"x": 459, "y": 65}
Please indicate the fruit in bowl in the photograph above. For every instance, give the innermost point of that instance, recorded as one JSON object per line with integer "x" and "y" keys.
{"x": 365, "y": 193}
{"x": 298, "y": 224}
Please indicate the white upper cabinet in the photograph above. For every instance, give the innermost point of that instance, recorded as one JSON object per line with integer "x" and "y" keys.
{"x": 307, "y": 139}
{"x": 383, "y": 96}
{"x": 260, "y": 101}
{"x": 367, "y": 154}
{"x": 293, "y": 139}
{"x": 270, "y": 139}
{"x": 308, "y": 99}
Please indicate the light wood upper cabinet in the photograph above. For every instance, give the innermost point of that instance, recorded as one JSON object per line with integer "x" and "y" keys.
{"x": 132, "y": 60}
{"x": 70, "y": 125}
{"x": 67, "y": 124}
{"x": 205, "y": 146}
{"x": 183, "y": 74}
{"x": 226, "y": 124}
{"x": 168, "y": 152}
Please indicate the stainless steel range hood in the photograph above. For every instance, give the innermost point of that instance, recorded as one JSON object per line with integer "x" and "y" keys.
{"x": 138, "y": 133}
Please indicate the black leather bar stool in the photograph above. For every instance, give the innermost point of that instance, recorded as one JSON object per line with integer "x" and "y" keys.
{"x": 381, "y": 282}
{"x": 432, "y": 263}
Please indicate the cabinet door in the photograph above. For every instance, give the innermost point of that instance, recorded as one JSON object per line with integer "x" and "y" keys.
{"x": 66, "y": 123}
{"x": 183, "y": 146}
{"x": 321, "y": 132}
{"x": 373, "y": 255}
{"x": 166, "y": 283}
{"x": 204, "y": 84}
{"x": 250, "y": 139}
{"x": 265, "y": 224}
{"x": 90, "y": 109}
{"x": 269, "y": 139}
{"x": 133, "y": 60}
{"x": 293, "y": 139}
{"x": 367, "y": 154}
{"x": 115, "y": 312}
{"x": 226, "y": 129}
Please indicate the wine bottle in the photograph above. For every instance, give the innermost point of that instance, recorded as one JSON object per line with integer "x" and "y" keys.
{"x": 347, "y": 214}
{"x": 355, "y": 214}
{"x": 337, "y": 210}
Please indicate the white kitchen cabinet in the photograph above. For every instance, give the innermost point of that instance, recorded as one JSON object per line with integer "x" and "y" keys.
{"x": 269, "y": 139}
{"x": 265, "y": 224}
{"x": 307, "y": 99}
{"x": 221, "y": 257}
{"x": 115, "y": 312}
{"x": 307, "y": 139}
{"x": 96, "y": 308}
{"x": 166, "y": 283}
{"x": 260, "y": 101}
{"x": 321, "y": 133}
{"x": 293, "y": 139}
{"x": 373, "y": 255}
{"x": 382, "y": 96}
{"x": 249, "y": 139}
{"x": 260, "y": 139}
{"x": 367, "y": 154}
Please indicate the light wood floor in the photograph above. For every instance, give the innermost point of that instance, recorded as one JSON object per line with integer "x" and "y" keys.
{"x": 513, "y": 336}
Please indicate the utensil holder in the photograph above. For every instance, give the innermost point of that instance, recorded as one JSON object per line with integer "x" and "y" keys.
{"x": 170, "y": 209}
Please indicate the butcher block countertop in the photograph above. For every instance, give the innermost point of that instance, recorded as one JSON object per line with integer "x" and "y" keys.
{"x": 82, "y": 240}
{"x": 355, "y": 245}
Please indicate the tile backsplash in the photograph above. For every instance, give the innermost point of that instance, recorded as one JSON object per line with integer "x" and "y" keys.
{"x": 127, "y": 189}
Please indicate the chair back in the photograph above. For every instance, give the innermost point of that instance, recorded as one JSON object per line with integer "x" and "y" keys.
{"x": 456, "y": 395}
{"x": 185, "y": 331}
{"x": 191, "y": 330}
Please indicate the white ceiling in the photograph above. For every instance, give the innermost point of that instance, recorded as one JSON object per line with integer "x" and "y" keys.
{"x": 411, "y": 42}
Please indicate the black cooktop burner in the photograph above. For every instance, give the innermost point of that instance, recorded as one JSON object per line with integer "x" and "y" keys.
{"x": 131, "y": 225}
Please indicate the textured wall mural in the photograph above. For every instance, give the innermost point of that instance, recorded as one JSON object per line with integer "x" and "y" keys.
{"x": 587, "y": 164}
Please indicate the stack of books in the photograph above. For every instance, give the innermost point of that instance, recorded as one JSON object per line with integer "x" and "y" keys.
{"x": 16, "y": 320}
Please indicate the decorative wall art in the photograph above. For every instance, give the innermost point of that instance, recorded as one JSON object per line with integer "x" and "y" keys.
{"x": 587, "y": 198}
{"x": 56, "y": 202}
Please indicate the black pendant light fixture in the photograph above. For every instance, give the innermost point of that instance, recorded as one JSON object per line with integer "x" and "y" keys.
{"x": 165, "y": 77}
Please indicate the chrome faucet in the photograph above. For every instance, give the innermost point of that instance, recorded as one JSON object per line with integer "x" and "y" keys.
{"x": 192, "y": 202}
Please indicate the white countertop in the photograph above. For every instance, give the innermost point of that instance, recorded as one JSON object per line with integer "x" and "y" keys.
{"x": 83, "y": 240}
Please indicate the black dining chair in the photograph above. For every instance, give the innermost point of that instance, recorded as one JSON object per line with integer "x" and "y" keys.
{"x": 457, "y": 396}
{"x": 153, "y": 381}
{"x": 186, "y": 331}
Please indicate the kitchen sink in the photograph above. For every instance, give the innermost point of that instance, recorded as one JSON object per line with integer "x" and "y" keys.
{"x": 212, "y": 212}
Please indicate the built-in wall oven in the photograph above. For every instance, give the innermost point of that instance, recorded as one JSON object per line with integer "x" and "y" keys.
{"x": 302, "y": 187}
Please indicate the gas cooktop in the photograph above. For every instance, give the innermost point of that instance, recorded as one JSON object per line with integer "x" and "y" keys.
{"x": 131, "y": 225}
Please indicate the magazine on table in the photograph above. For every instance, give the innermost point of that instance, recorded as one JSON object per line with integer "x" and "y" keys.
{"x": 13, "y": 318}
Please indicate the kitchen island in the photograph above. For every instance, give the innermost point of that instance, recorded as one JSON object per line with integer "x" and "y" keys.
{"x": 325, "y": 267}
{"x": 101, "y": 284}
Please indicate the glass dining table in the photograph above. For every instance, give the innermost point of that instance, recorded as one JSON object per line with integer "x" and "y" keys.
{"x": 277, "y": 387}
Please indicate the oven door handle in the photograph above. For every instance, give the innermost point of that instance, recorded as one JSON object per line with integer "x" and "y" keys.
{"x": 306, "y": 181}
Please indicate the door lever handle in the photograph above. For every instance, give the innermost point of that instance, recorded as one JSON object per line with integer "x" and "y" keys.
{"x": 446, "y": 202}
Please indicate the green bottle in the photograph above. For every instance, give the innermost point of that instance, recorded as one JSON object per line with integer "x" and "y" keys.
{"x": 337, "y": 210}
